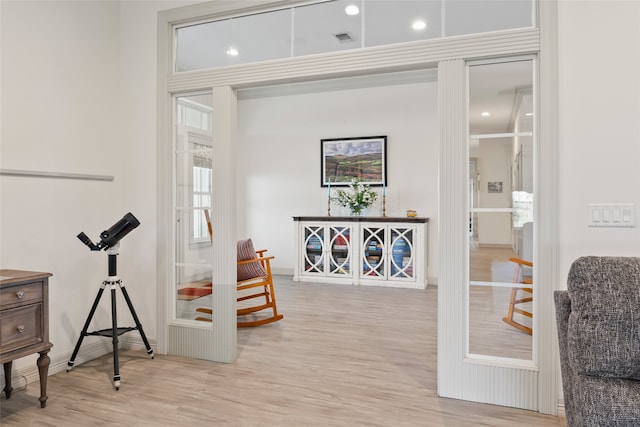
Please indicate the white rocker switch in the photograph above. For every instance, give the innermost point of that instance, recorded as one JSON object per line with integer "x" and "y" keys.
{"x": 611, "y": 214}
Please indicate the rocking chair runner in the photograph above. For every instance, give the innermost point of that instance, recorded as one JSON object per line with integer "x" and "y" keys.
{"x": 514, "y": 300}
{"x": 254, "y": 281}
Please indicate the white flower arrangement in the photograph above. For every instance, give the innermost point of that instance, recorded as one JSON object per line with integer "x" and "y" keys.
{"x": 359, "y": 197}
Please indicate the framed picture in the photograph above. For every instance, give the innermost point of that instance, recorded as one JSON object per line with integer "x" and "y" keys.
{"x": 343, "y": 159}
{"x": 495, "y": 187}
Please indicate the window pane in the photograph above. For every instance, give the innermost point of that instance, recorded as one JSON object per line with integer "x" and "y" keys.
{"x": 203, "y": 46}
{"x": 480, "y": 16}
{"x": 501, "y": 201}
{"x": 326, "y": 27}
{"x": 247, "y": 39}
{"x": 261, "y": 37}
{"x": 398, "y": 17}
{"x": 193, "y": 155}
{"x": 201, "y": 199}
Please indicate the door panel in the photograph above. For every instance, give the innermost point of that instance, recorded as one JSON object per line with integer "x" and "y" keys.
{"x": 477, "y": 212}
{"x": 203, "y": 262}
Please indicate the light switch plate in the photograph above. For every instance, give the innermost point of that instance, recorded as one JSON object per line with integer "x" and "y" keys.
{"x": 611, "y": 214}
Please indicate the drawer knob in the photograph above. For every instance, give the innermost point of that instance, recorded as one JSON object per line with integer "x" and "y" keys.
{"x": 20, "y": 328}
{"x": 20, "y": 294}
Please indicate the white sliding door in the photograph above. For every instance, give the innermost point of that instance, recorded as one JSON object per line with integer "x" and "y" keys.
{"x": 492, "y": 314}
{"x": 199, "y": 281}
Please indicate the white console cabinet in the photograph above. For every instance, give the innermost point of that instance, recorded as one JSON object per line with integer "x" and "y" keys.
{"x": 378, "y": 251}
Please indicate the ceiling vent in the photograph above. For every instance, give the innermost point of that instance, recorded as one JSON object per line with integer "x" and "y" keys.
{"x": 344, "y": 37}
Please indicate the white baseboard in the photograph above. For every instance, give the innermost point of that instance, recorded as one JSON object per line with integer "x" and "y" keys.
{"x": 281, "y": 271}
{"x": 561, "y": 411}
{"x": 88, "y": 351}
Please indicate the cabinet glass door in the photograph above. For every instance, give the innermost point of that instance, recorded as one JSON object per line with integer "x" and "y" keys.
{"x": 314, "y": 249}
{"x": 340, "y": 253}
{"x": 402, "y": 259}
{"x": 373, "y": 245}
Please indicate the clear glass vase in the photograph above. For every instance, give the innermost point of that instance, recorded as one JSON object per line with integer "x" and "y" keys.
{"x": 357, "y": 211}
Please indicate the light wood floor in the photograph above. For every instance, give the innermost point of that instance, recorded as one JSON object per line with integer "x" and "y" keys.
{"x": 342, "y": 356}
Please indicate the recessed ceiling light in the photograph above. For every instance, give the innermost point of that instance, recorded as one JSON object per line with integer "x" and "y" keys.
{"x": 232, "y": 51}
{"x": 352, "y": 9}
{"x": 485, "y": 114}
{"x": 419, "y": 25}
{"x": 528, "y": 114}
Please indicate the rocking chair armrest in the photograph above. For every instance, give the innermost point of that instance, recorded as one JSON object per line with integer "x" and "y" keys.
{"x": 247, "y": 261}
{"x": 521, "y": 262}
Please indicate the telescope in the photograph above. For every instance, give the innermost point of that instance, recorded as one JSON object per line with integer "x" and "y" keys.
{"x": 113, "y": 235}
{"x": 109, "y": 241}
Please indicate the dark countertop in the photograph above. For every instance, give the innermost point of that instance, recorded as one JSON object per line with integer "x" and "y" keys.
{"x": 362, "y": 219}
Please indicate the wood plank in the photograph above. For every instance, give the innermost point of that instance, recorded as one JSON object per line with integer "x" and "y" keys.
{"x": 342, "y": 356}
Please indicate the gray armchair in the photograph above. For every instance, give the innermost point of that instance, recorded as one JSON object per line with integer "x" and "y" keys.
{"x": 598, "y": 319}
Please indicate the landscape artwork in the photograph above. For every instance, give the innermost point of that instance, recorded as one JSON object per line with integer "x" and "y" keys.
{"x": 363, "y": 158}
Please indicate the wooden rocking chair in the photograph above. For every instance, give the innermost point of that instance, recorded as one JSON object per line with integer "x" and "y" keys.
{"x": 254, "y": 281}
{"x": 514, "y": 300}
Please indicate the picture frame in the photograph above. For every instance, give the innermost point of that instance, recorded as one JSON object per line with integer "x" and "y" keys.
{"x": 364, "y": 157}
{"x": 494, "y": 187}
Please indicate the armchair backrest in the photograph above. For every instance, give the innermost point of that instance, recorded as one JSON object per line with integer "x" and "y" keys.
{"x": 603, "y": 331}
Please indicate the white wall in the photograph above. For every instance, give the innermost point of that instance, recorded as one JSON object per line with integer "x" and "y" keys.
{"x": 279, "y": 158}
{"x": 60, "y": 114}
{"x": 78, "y": 83}
{"x": 494, "y": 162}
{"x": 599, "y": 138}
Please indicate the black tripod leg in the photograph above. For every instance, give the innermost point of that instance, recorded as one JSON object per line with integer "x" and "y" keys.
{"x": 84, "y": 329}
{"x": 135, "y": 319}
{"x": 114, "y": 332}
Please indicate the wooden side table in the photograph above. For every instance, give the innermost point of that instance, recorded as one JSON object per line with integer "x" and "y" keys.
{"x": 24, "y": 323}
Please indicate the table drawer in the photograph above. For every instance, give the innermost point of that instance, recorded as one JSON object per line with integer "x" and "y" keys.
{"x": 27, "y": 293}
{"x": 20, "y": 327}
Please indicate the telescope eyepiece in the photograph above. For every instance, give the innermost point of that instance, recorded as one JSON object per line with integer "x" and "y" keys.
{"x": 87, "y": 241}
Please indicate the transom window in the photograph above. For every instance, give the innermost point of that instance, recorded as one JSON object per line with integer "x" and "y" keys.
{"x": 338, "y": 25}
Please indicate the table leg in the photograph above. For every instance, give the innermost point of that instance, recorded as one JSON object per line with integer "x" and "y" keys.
{"x": 43, "y": 369}
{"x": 7, "y": 379}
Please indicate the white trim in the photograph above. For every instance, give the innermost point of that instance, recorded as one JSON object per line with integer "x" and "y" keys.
{"x": 224, "y": 226}
{"x": 500, "y": 135}
{"x": 373, "y": 60}
{"x": 453, "y": 223}
{"x": 493, "y": 284}
{"x": 164, "y": 205}
{"x": 316, "y": 86}
{"x": 65, "y": 175}
{"x": 546, "y": 247}
{"x": 480, "y": 359}
{"x": 492, "y": 210}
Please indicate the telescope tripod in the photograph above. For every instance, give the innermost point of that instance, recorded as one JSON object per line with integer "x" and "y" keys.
{"x": 113, "y": 282}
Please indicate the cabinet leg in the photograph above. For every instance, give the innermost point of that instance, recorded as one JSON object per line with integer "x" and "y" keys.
{"x": 7, "y": 379}
{"x": 43, "y": 370}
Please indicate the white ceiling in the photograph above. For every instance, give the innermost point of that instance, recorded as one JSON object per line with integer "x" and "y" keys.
{"x": 495, "y": 88}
